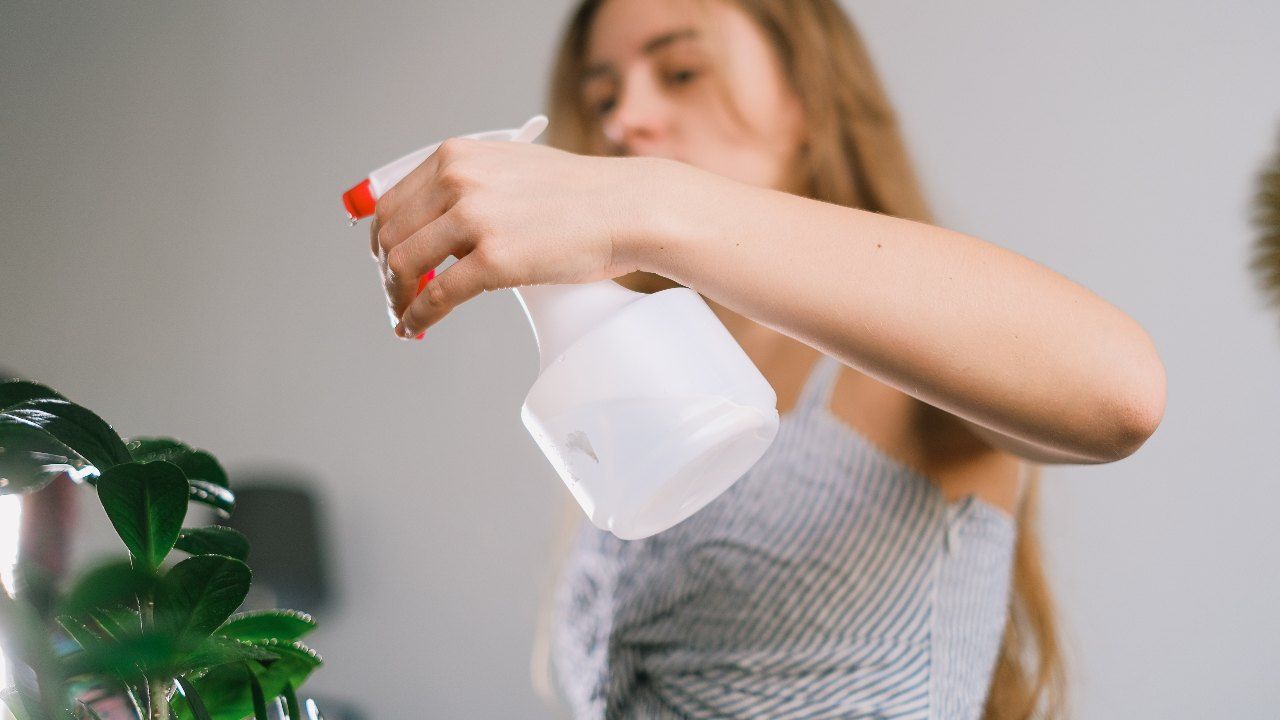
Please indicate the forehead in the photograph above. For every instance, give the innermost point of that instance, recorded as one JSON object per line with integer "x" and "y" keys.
{"x": 622, "y": 28}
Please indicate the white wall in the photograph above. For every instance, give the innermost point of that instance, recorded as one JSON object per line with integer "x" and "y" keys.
{"x": 174, "y": 256}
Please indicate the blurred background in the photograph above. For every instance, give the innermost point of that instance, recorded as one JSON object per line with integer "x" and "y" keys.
{"x": 175, "y": 256}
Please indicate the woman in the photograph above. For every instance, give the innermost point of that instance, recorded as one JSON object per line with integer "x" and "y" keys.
{"x": 864, "y": 567}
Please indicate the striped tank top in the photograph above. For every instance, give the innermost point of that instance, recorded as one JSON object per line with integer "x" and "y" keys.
{"x": 830, "y": 581}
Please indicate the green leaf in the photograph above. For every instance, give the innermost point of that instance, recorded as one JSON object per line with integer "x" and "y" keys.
{"x": 291, "y": 702}
{"x": 201, "y": 592}
{"x": 215, "y": 496}
{"x": 73, "y": 426}
{"x": 243, "y": 650}
{"x": 25, "y": 449}
{"x": 15, "y": 480}
{"x": 197, "y": 464}
{"x": 209, "y": 483}
{"x": 108, "y": 585}
{"x": 129, "y": 659}
{"x": 294, "y": 651}
{"x": 296, "y": 663}
{"x": 225, "y": 691}
{"x": 211, "y": 652}
{"x": 284, "y": 625}
{"x": 80, "y": 632}
{"x": 136, "y": 695}
{"x": 118, "y": 622}
{"x": 213, "y": 540}
{"x": 22, "y": 705}
{"x": 158, "y": 655}
{"x": 29, "y": 457}
{"x": 188, "y": 690}
{"x": 14, "y": 392}
{"x": 146, "y": 505}
{"x": 87, "y": 710}
{"x": 259, "y": 697}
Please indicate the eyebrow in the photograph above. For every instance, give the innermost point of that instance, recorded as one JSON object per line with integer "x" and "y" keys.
{"x": 650, "y": 47}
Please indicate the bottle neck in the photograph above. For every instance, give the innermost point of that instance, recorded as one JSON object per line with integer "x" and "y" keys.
{"x": 561, "y": 314}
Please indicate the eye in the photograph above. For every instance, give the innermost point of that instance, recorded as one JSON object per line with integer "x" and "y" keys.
{"x": 680, "y": 77}
{"x": 603, "y": 107}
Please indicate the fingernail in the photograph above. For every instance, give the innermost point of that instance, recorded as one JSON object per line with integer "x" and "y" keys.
{"x": 422, "y": 334}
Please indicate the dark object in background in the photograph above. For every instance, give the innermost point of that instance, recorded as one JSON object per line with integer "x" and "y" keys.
{"x": 285, "y": 524}
{"x": 282, "y": 519}
{"x": 1266, "y": 218}
{"x": 47, "y": 520}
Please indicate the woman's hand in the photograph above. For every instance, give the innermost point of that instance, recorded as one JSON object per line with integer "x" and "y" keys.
{"x": 512, "y": 213}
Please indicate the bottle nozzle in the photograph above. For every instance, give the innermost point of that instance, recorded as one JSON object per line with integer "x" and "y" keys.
{"x": 359, "y": 201}
{"x": 531, "y": 129}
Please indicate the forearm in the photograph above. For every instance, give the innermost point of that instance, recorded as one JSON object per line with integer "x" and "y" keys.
{"x": 962, "y": 324}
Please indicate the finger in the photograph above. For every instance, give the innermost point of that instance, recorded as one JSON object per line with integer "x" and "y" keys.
{"x": 457, "y": 284}
{"x": 415, "y": 192}
{"x": 373, "y": 238}
{"x": 393, "y": 317}
{"x": 420, "y": 253}
{"x": 411, "y": 218}
{"x": 397, "y": 194}
{"x": 419, "y": 198}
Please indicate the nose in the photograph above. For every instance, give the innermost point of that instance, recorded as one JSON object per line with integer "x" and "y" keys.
{"x": 640, "y": 118}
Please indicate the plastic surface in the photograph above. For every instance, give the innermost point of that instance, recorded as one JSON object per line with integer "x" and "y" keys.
{"x": 385, "y": 177}
{"x": 645, "y": 405}
{"x": 359, "y": 200}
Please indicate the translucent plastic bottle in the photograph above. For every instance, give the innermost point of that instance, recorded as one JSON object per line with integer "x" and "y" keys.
{"x": 645, "y": 405}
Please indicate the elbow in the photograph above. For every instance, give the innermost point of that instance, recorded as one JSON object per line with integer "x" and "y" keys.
{"x": 1136, "y": 424}
{"x": 1137, "y": 407}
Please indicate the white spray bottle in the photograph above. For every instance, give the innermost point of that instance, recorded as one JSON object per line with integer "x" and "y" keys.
{"x": 645, "y": 404}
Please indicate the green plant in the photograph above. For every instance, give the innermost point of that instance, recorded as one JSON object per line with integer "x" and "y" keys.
{"x": 160, "y": 631}
{"x": 1266, "y": 218}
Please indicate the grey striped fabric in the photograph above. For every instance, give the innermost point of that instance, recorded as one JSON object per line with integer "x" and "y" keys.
{"x": 830, "y": 581}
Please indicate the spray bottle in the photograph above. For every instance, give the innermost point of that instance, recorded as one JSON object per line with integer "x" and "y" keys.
{"x": 644, "y": 404}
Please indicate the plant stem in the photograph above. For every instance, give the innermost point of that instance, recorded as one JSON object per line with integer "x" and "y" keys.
{"x": 157, "y": 690}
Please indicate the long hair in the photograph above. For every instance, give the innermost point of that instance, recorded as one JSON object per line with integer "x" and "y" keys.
{"x": 852, "y": 154}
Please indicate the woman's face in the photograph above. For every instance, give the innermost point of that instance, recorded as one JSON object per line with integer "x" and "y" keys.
{"x": 650, "y": 83}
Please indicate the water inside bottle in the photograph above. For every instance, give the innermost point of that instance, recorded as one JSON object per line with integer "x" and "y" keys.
{"x": 645, "y": 460}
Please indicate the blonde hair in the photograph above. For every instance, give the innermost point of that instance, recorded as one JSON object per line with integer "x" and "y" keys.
{"x": 853, "y": 154}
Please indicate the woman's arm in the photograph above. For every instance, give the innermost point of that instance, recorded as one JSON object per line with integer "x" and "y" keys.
{"x": 1037, "y": 365}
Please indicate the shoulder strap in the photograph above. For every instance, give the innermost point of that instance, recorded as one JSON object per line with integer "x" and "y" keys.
{"x": 816, "y": 392}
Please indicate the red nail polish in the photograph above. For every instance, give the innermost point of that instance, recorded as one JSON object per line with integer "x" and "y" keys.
{"x": 422, "y": 281}
{"x": 421, "y": 334}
